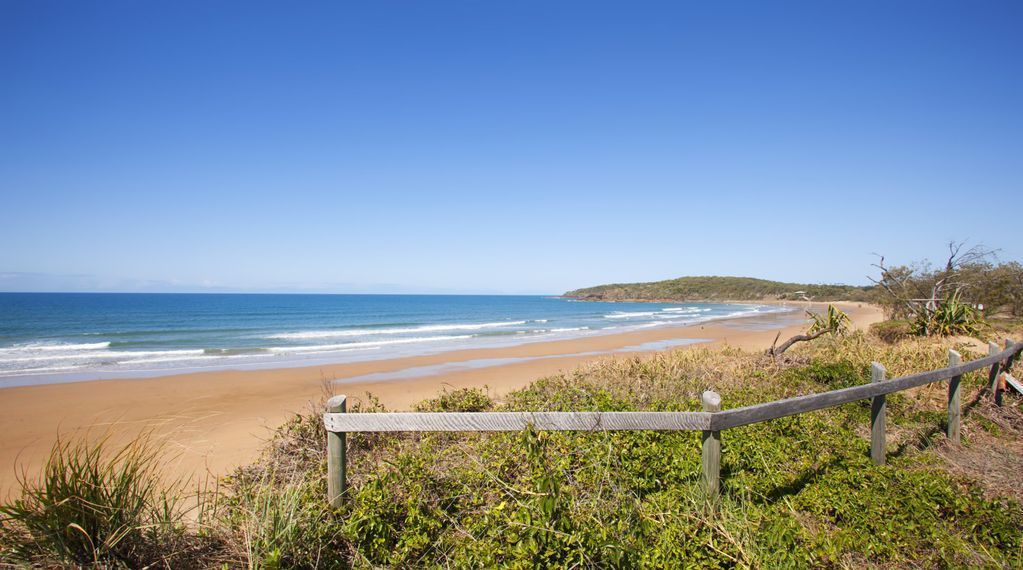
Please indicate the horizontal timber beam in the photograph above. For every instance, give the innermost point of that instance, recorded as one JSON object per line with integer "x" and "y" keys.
{"x": 517, "y": 421}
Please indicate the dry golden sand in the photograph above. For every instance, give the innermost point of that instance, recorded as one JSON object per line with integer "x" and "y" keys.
{"x": 215, "y": 421}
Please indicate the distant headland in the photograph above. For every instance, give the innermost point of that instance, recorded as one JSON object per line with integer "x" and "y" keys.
{"x": 715, "y": 288}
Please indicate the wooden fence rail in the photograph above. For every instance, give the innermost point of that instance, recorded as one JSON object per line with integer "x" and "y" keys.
{"x": 711, "y": 421}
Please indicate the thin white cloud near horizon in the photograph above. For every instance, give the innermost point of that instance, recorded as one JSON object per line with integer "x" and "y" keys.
{"x": 28, "y": 282}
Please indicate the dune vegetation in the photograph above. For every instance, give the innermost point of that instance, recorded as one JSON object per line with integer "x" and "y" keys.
{"x": 797, "y": 492}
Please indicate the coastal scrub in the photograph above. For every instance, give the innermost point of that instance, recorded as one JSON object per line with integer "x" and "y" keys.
{"x": 797, "y": 492}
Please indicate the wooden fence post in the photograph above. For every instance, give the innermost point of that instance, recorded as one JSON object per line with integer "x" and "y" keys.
{"x": 711, "y": 448}
{"x": 336, "y": 466}
{"x": 999, "y": 386}
{"x": 954, "y": 409}
{"x": 992, "y": 377}
{"x": 1003, "y": 384}
{"x": 877, "y": 422}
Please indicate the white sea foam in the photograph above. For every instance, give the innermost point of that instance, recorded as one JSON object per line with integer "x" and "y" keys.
{"x": 34, "y": 371}
{"x": 204, "y": 356}
{"x": 375, "y": 343}
{"x": 570, "y": 329}
{"x": 625, "y": 315}
{"x": 48, "y": 347}
{"x": 101, "y": 355}
{"x": 686, "y": 310}
{"x": 166, "y": 359}
{"x": 308, "y": 335}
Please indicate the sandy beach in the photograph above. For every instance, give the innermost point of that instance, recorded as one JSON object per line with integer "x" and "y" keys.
{"x": 215, "y": 421}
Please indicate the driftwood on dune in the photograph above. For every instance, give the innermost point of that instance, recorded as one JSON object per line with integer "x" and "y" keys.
{"x": 777, "y": 350}
{"x": 832, "y": 321}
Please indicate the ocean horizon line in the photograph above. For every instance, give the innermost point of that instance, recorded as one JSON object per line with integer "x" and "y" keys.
{"x": 390, "y": 294}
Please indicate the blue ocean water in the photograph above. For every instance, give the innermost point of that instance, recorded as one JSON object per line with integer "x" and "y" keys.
{"x": 53, "y": 337}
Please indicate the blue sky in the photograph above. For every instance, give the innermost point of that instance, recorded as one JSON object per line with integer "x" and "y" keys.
{"x": 511, "y": 147}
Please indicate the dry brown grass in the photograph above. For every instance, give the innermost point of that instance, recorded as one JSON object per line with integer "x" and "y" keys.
{"x": 993, "y": 453}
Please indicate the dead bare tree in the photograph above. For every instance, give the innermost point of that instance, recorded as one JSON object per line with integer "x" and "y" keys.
{"x": 917, "y": 292}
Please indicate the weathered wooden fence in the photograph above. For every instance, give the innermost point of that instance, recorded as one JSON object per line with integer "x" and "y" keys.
{"x": 711, "y": 421}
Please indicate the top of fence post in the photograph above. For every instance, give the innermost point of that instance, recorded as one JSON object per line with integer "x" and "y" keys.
{"x": 336, "y": 404}
{"x": 877, "y": 371}
{"x": 711, "y": 401}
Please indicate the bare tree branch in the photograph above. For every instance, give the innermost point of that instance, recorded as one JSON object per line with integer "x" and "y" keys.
{"x": 917, "y": 291}
{"x": 775, "y": 352}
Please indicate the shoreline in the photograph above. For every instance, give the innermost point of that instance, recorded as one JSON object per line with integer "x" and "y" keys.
{"x": 217, "y": 420}
{"x": 346, "y": 356}
{"x": 295, "y": 350}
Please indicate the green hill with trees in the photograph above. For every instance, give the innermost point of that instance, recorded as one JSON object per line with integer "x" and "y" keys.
{"x": 713, "y": 288}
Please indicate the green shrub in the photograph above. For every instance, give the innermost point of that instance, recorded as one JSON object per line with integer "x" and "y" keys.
{"x": 830, "y": 375}
{"x": 892, "y": 331}
{"x": 460, "y": 400}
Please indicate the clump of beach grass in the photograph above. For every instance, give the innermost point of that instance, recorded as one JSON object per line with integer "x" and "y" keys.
{"x": 278, "y": 523}
{"x": 95, "y": 504}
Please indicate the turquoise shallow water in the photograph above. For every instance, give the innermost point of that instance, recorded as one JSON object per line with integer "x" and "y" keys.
{"x": 56, "y": 337}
